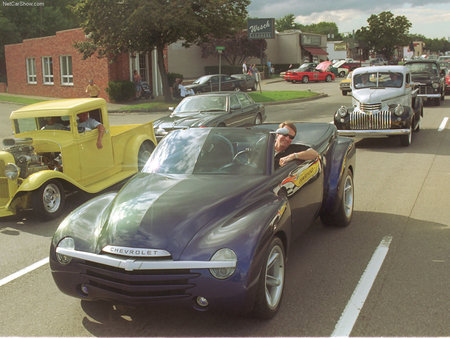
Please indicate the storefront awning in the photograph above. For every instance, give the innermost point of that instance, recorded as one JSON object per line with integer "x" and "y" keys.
{"x": 316, "y": 51}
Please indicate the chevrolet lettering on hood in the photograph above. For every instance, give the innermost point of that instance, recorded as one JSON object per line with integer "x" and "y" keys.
{"x": 135, "y": 252}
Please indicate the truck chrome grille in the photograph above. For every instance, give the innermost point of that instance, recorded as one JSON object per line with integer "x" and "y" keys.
{"x": 371, "y": 121}
{"x": 370, "y": 107}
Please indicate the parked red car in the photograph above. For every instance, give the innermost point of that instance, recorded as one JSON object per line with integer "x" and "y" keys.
{"x": 307, "y": 73}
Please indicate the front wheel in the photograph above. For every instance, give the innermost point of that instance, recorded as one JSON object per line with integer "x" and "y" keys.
{"x": 305, "y": 79}
{"x": 258, "y": 119}
{"x": 271, "y": 281}
{"x": 344, "y": 93}
{"x": 48, "y": 201}
{"x": 328, "y": 78}
{"x": 145, "y": 151}
{"x": 343, "y": 216}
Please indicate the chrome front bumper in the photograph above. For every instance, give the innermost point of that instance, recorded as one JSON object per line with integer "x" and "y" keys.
{"x": 132, "y": 264}
{"x": 373, "y": 133}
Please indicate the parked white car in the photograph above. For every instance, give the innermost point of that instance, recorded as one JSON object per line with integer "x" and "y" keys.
{"x": 384, "y": 103}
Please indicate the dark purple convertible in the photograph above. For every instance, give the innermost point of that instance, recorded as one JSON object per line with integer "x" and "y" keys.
{"x": 208, "y": 222}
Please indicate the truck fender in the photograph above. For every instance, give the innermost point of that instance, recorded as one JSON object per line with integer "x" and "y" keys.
{"x": 133, "y": 145}
{"x": 34, "y": 181}
{"x": 342, "y": 155}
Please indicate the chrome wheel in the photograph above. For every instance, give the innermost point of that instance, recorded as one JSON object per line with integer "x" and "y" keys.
{"x": 48, "y": 201}
{"x": 274, "y": 277}
{"x": 51, "y": 198}
{"x": 348, "y": 197}
{"x": 258, "y": 119}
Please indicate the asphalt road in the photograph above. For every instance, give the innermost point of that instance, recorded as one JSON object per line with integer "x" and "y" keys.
{"x": 387, "y": 274}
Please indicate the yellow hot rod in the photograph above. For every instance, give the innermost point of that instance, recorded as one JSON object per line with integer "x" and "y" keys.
{"x": 51, "y": 155}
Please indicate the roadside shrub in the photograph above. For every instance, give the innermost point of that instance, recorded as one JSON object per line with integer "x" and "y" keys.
{"x": 225, "y": 69}
{"x": 121, "y": 91}
{"x": 171, "y": 78}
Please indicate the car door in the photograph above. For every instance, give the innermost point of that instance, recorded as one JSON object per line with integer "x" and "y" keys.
{"x": 249, "y": 109}
{"x": 94, "y": 162}
{"x": 228, "y": 83}
{"x": 302, "y": 182}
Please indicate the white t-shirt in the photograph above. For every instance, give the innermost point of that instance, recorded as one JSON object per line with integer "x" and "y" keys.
{"x": 89, "y": 124}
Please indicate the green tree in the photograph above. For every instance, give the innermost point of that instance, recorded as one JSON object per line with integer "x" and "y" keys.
{"x": 385, "y": 33}
{"x": 286, "y": 23}
{"x": 238, "y": 47}
{"x": 143, "y": 25}
{"x": 329, "y": 29}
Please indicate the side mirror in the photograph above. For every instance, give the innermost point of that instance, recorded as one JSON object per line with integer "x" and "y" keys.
{"x": 282, "y": 131}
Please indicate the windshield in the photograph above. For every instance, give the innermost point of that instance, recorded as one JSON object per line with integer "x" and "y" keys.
{"x": 423, "y": 68}
{"x": 378, "y": 80}
{"x": 42, "y": 123}
{"x": 202, "y": 79}
{"x": 223, "y": 151}
{"x": 202, "y": 103}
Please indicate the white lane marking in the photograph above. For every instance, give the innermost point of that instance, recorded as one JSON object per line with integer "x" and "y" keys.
{"x": 351, "y": 312}
{"x": 443, "y": 123}
{"x": 24, "y": 271}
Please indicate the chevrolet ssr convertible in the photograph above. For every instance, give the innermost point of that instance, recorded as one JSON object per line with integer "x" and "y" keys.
{"x": 209, "y": 221}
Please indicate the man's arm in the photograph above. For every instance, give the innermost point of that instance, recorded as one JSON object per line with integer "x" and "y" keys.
{"x": 101, "y": 132}
{"x": 308, "y": 154}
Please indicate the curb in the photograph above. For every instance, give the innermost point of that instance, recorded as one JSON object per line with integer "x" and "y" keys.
{"x": 322, "y": 95}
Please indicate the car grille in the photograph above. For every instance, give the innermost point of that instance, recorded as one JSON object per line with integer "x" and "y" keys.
{"x": 139, "y": 285}
{"x": 375, "y": 121}
{"x": 424, "y": 89}
{"x": 366, "y": 107}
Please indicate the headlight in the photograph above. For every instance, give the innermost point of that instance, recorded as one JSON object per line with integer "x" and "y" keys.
{"x": 224, "y": 254}
{"x": 12, "y": 171}
{"x": 161, "y": 132}
{"x": 342, "y": 111}
{"x": 399, "y": 110}
{"x": 66, "y": 243}
{"x": 435, "y": 85}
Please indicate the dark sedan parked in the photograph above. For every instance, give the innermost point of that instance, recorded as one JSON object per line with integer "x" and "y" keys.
{"x": 218, "y": 109}
{"x": 250, "y": 82}
{"x": 208, "y": 222}
{"x": 211, "y": 83}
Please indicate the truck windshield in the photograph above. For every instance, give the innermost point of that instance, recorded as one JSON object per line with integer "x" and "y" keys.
{"x": 378, "y": 80}
{"x": 42, "y": 123}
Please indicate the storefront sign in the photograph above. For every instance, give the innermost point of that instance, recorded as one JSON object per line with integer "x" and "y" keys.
{"x": 261, "y": 28}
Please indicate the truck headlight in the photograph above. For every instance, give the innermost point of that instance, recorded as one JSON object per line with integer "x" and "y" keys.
{"x": 12, "y": 171}
{"x": 342, "y": 111}
{"x": 224, "y": 254}
{"x": 435, "y": 85}
{"x": 65, "y": 243}
{"x": 399, "y": 110}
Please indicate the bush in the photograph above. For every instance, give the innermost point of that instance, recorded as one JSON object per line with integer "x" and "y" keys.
{"x": 121, "y": 91}
{"x": 171, "y": 78}
{"x": 225, "y": 69}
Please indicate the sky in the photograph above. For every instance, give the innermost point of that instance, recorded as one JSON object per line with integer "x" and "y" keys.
{"x": 429, "y": 18}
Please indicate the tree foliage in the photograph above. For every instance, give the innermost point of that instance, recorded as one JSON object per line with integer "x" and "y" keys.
{"x": 238, "y": 47}
{"x": 329, "y": 29}
{"x": 433, "y": 45}
{"x": 384, "y": 33}
{"x": 143, "y": 25}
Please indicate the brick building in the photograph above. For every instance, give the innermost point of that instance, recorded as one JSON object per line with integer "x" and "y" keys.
{"x": 51, "y": 66}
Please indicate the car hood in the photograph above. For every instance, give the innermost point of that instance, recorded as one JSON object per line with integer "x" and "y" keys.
{"x": 371, "y": 96}
{"x": 167, "y": 211}
{"x": 184, "y": 120}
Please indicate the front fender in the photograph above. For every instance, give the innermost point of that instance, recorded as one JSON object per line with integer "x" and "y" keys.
{"x": 34, "y": 181}
{"x": 342, "y": 155}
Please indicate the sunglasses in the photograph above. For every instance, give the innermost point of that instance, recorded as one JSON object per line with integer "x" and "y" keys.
{"x": 288, "y": 135}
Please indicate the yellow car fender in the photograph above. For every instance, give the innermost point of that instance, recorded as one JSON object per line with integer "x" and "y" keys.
{"x": 133, "y": 145}
{"x": 34, "y": 181}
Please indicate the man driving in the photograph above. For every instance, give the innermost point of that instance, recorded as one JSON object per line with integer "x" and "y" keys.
{"x": 89, "y": 123}
{"x": 283, "y": 152}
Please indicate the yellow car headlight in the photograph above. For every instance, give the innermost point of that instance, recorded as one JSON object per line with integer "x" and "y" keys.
{"x": 12, "y": 171}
